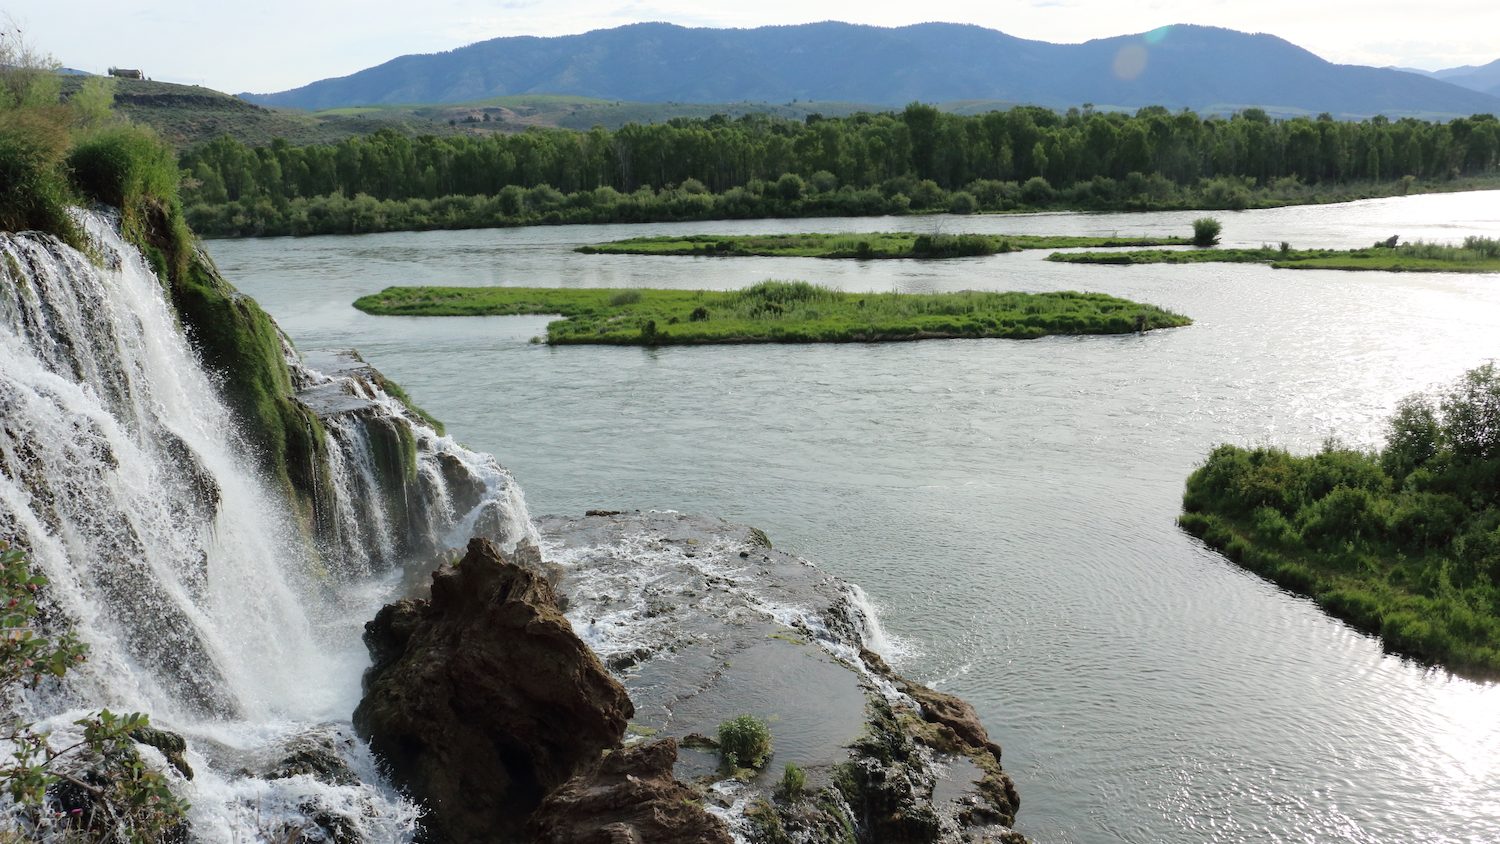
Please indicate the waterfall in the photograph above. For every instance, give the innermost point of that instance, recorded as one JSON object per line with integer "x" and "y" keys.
{"x": 201, "y": 599}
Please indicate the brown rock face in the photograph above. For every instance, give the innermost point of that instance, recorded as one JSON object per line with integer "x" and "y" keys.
{"x": 482, "y": 700}
{"x": 629, "y": 797}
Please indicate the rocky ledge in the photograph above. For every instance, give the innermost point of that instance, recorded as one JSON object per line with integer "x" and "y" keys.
{"x": 489, "y": 704}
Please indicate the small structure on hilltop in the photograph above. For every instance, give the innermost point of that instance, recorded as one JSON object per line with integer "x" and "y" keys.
{"x": 126, "y": 73}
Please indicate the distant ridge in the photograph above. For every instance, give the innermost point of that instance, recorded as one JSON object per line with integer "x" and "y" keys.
{"x": 1484, "y": 78}
{"x": 1203, "y": 68}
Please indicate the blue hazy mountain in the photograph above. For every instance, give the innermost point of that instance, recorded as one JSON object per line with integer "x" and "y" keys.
{"x": 1203, "y": 68}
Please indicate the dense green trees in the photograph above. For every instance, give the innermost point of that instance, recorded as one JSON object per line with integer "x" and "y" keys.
{"x": 919, "y": 159}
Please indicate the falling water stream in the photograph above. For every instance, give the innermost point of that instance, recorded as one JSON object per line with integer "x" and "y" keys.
{"x": 202, "y": 603}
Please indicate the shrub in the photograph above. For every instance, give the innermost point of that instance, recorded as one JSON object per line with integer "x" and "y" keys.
{"x": 1411, "y": 437}
{"x": 1206, "y": 231}
{"x": 125, "y": 795}
{"x": 793, "y": 782}
{"x": 1471, "y": 414}
{"x": 35, "y": 193}
{"x": 625, "y": 297}
{"x": 962, "y": 202}
{"x": 1037, "y": 191}
{"x": 745, "y": 741}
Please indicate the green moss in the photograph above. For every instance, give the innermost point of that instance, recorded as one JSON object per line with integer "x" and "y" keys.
{"x": 239, "y": 341}
{"x": 395, "y": 391}
{"x": 781, "y": 312}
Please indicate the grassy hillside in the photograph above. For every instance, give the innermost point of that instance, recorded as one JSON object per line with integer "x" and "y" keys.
{"x": 187, "y": 115}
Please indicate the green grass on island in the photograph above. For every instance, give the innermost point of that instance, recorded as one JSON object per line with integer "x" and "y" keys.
{"x": 863, "y": 246}
{"x": 1476, "y": 255}
{"x": 779, "y": 312}
{"x": 1403, "y": 542}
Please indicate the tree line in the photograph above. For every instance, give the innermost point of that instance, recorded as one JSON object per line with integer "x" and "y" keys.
{"x": 917, "y": 159}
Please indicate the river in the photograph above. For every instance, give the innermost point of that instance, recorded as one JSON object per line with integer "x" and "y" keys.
{"x": 1008, "y": 505}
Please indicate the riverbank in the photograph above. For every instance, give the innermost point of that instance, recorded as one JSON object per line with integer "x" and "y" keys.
{"x": 1475, "y": 255}
{"x": 1400, "y": 543}
{"x": 862, "y": 246}
{"x": 779, "y": 312}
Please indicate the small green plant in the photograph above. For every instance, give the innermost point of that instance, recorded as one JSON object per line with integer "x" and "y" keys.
{"x": 99, "y": 784}
{"x": 744, "y": 741}
{"x": 793, "y": 782}
{"x": 1206, "y": 231}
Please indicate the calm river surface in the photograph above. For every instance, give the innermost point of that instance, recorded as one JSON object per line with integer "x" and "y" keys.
{"x": 1008, "y": 505}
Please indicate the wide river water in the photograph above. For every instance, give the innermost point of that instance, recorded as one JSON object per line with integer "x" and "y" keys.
{"x": 1008, "y": 505}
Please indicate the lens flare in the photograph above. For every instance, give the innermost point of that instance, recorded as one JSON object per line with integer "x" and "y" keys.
{"x": 1130, "y": 62}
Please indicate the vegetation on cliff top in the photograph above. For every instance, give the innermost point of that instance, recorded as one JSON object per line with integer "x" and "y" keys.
{"x": 868, "y": 245}
{"x": 55, "y": 155}
{"x": 1402, "y": 542}
{"x": 778, "y": 312}
{"x": 1475, "y": 255}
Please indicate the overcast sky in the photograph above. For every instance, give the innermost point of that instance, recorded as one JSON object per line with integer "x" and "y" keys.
{"x": 271, "y": 45}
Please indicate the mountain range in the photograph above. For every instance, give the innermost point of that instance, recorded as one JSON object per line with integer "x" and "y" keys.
{"x": 1207, "y": 69}
{"x": 1482, "y": 78}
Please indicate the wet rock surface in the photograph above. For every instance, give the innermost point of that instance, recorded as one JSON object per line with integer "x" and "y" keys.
{"x": 630, "y": 796}
{"x": 481, "y": 700}
{"x": 704, "y": 621}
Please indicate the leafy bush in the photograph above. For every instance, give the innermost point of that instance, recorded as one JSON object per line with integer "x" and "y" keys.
{"x": 1206, "y": 231}
{"x": 962, "y": 202}
{"x": 1404, "y": 542}
{"x": 952, "y": 246}
{"x": 99, "y": 784}
{"x": 1471, "y": 415}
{"x": 1412, "y": 436}
{"x": 130, "y": 168}
{"x": 34, "y": 192}
{"x": 744, "y": 741}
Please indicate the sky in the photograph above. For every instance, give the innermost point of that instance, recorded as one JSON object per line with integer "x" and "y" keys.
{"x": 272, "y": 45}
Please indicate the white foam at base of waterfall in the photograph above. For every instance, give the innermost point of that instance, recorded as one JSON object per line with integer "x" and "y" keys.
{"x": 177, "y": 564}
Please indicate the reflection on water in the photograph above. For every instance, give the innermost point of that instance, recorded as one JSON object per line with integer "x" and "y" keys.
{"x": 1009, "y": 505}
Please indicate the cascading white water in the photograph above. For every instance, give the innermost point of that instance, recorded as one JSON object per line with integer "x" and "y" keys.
{"x": 123, "y": 479}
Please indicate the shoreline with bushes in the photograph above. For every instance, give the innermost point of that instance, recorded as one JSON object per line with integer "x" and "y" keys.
{"x": 1402, "y": 542}
{"x": 1474, "y": 255}
{"x": 862, "y": 246}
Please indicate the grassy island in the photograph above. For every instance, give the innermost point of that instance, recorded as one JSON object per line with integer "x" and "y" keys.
{"x": 779, "y": 312}
{"x": 1476, "y": 255}
{"x": 864, "y": 246}
{"x": 1403, "y": 542}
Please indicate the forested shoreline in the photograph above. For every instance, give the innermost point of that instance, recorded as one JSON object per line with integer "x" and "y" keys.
{"x": 917, "y": 160}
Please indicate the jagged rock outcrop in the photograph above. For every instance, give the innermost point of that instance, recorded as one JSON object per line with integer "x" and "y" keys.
{"x": 482, "y": 700}
{"x": 630, "y": 796}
